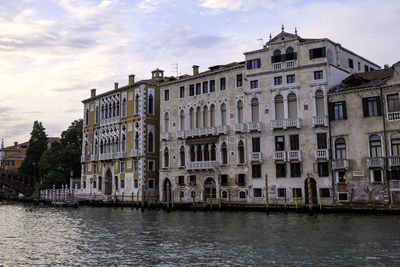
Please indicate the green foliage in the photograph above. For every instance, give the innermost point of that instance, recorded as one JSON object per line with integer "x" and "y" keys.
{"x": 51, "y": 168}
{"x": 72, "y": 142}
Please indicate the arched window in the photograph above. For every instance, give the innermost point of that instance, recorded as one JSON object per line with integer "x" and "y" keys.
{"x": 124, "y": 107}
{"x": 279, "y": 110}
{"x": 192, "y": 154}
{"x": 166, "y": 122}
{"x": 292, "y": 106}
{"x": 375, "y": 146}
{"x": 151, "y": 142}
{"x": 395, "y": 143}
{"x": 224, "y": 153}
{"x": 95, "y": 147}
{"x": 340, "y": 148}
{"x": 101, "y": 147}
{"x": 137, "y": 141}
{"x": 254, "y": 110}
{"x": 290, "y": 54}
{"x": 241, "y": 152}
{"x": 199, "y": 153}
{"x": 223, "y": 114}
{"x": 198, "y": 117}
{"x": 123, "y": 143}
{"x": 224, "y": 194}
{"x": 114, "y": 109}
{"x": 166, "y": 157}
{"x": 112, "y": 145}
{"x": 277, "y": 56}
{"x": 117, "y": 108}
{"x": 240, "y": 111}
{"x": 212, "y": 116}
{"x": 87, "y": 117}
{"x": 137, "y": 104}
{"x": 151, "y": 104}
{"x": 116, "y": 183}
{"x": 106, "y": 111}
{"x": 102, "y": 112}
{"x": 96, "y": 115}
{"x": 205, "y": 117}
{"x": 191, "y": 118}
{"x": 182, "y": 156}
{"x": 100, "y": 183}
{"x": 116, "y": 144}
{"x": 319, "y": 103}
{"x": 109, "y": 110}
{"x": 86, "y": 148}
{"x": 182, "y": 120}
{"x": 206, "y": 153}
{"x": 213, "y": 152}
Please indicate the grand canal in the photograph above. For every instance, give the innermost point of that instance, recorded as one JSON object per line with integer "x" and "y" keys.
{"x": 106, "y": 236}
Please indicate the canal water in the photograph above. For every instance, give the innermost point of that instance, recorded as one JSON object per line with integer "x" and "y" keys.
{"x": 106, "y": 236}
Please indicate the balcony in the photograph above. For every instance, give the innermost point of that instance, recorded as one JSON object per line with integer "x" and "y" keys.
{"x": 279, "y": 156}
{"x": 193, "y": 133}
{"x": 240, "y": 128}
{"x": 94, "y": 157}
{"x": 211, "y": 131}
{"x": 254, "y": 126}
{"x": 321, "y": 154}
{"x": 277, "y": 66}
{"x": 119, "y": 155}
{"x": 223, "y": 129}
{"x": 394, "y": 116}
{"x": 109, "y": 121}
{"x": 83, "y": 158}
{"x": 376, "y": 162}
{"x": 135, "y": 153}
{"x": 340, "y": 164}
{"x": 180, "y": 135}
{"x": 394, "y": 161}
{"x": 286, "y": 123}
{"x": 256, "y": 157}
{"x": 320, "y": 121}
{"x": 290, "y": 64}
{"x": 202, "y": 165}
{"x": 294, "y": 155}
{"x": 165, "y": 136}
{"x": 106, "y": 156}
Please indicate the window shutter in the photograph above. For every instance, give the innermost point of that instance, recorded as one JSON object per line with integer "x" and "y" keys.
{"x": 331, "y": 112}
{"x": 259, "y": 63}
{"x": 378, "y": 104}
{"x": 272, "y": 59}
{"x": 323, "y": 51}
{"x": 311, "y": 51}
{"x": 365, "y": 107}
{"x": 344, "y": 110}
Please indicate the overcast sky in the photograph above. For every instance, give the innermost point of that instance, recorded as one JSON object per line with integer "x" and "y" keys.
{"x": 52, "y": 52}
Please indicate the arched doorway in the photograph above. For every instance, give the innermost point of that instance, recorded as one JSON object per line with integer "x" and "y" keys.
{"x": 165, "y": 191}
{"x": 314, "y": 196}
{"x": 209, "y": 188}
{"x": 108, "y": 183}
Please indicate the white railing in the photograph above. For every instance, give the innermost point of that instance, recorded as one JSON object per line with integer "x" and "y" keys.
{"x": 135, "y": 153}
{"x": 394, "y": 161}
{"x": 94, "y": 157}
{"x": 223, "y": 129}
{"x": 211, "y": 131}
{"x": 276, "y": 124}
{"x": 106, "y": 156}
{"x": 165, "y": 136}
{"x": 286, "y": 123}
{"x": 290, "y": 64}
{"x": 121, "y": 154}
{"x": 180, "y": 134}
{"x": 201, "y": 165}
{"x": 321, "y": 154}
{"x": 203, "y": 131}
{"x": 240, "y": 127}
{"x": 394, "y": 116}
{"x": 294, "y": 155}
{"x": 193, "y": 132}
{"x": 109, "y": 120}
{"x": 376, "y": 162}
{"x": 339, "y": 164}
{"x": 277, "y": 66}
{"x": 320, "y": 121}
{"x": 279, "y": 155}
{"x": 256, "y": 156}
{"x": 254, "y": 126}
{"x": 83, "y": 158}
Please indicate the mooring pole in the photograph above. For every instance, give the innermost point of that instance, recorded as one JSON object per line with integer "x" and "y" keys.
{"x": 122, "y": 201}
{"x": 137, "y": 200}
{"x": 310, "y": 208}
{"x": 168, "y": 195}
{"x": 320, "y": 200}
{"x": 229, "y": 199}
{"x": 132, "y": 199}
{"x": 219, "y": 200}
{"x": 285, "y": 203}
{"x": 193, "y": 200}
{"x": 211, "y": 198}
{"x": 266, "y": 194}
{"x": 143, "y": 196}
{"x": 295, "y": 198}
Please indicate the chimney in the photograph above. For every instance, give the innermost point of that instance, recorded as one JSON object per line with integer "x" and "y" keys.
{"x": 115, "y": 85}
{"x": 93, "y": 92}
{"x": 131, "y": 79}
{"x": 386, "y": 66}
{"x": 15, "y": 143}
{"x": 195, "y": 69}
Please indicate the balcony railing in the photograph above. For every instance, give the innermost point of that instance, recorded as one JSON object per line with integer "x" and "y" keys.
{"x": 290, "y": 64}
{"x": 165, "y": 136}
{"x": 211, "y": 130}
{"x": 320, "y": 121}
{"x": 202, "y": 165}
{"x": 254, "y": 126}
{"x": 83, "y": 158}
{"x": 279, "y": 155}
{"x": 256, "y": 156}
{"x": 286, "y": 123}
{"x": 94, "y": 157}
{"x": 180, "y": 135}
{"x": 106, "y": 156}
{"x": 193, "y": 132}
{"x": 223, "y": 129}
{"x": 109, "y": 121}
{"x": 135, "y": 153}
{"x": 322, "y": 154}
{"x": 394, "y": 116}
{"x": 394, "y": 161}
{"x": 119, "y": 155}
{"x": 340, "y": 164}
{"x": 376, "y": 162}
{"x": 294, "y": 155}
{"x": 277, "y": 66}
{"x": 240, "y": 128}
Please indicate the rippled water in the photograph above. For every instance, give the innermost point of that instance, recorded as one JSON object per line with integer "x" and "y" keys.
{"x": 107, "y": 236}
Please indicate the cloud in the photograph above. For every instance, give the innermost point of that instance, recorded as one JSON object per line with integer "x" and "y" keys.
{"x": 234, "y": 5}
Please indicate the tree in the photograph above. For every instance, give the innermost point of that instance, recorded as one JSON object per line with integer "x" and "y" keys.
{"x": 50, "y": 166}
{"x": 37, "y": 145}
{"x": 71, "y": 140}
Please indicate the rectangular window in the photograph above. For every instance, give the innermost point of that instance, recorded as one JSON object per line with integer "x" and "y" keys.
{"x": 181, "y": 180}
{"x": 318, "y": 75}
{"x": 323, "y": 169}
{"x": 366, "y": 68}
{"x": 257, "y": 192}
{"x": 337, "y": 110}
{"x": 255, "y": 171}
{"x": 182, "y": 92}
{"x": 222, "y": 84}
{"x": 290, "y": 78}
{"x": 278, "y": 80}
{"x": 376, "y": 175}
{"x": 341, "y": 177}
{"x": 224, "y": 179}
{"x": 95, "y": 168}
{"x": 122, "y": 166}
{"x": 136, "y": 166}
{"x": 135, "y": 183}
{"x": 282, "y": 192}
{"x": 254, "y": 84}
{"x": 317, "y": 52}
{"x": 371, "y": 106}
{"x": 166, "y": 95}
{"x": 280, "y": 170}
{"x": 150, "y": 165}
{"x": 241, "y": 179}
{"x": 325, "y": 192}
{"x": 321, "y": 141}
{"x": 212, "y": 86}
{"x": 297, "y": 193}
{"x": 84, "y": 184}
{"x": 295, "y": 169}
{"x": 393, "y": 103}
{"x": 279, "y": 143}
{"x": 256, "y": 144}
{"x": 205, "y": 87}
{"x": 239, "y": 80}
{"x": 122, "y": 183}
{"x": 94, "y": 184}
{"x": 254, "y": 64}
{"x": 192, "y": 180}
{"x": 151, "y": 184}
{"x": 191, "y": 90}
{"x": 359, "y": 66}
{"x": 351, "y": 63}
{"x": 198, "y": 88}
{"x": 294, "y": 142}
{"x": 342, "y": 197}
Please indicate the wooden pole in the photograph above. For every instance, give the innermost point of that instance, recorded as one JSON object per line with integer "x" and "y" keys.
{"x": 168, "y": 195}
{"x": 320, "y": 200}
{"x": 133, "y": 197}
{"x": 122, "y": 201}
{"x": 285, "y": 203}
{"x": 295, "y": 198}
{"x": 137, "y": 200}
{"x": 194, "y": 203}
{"x": 266, "y": 194}
{"x": 310, "y": 207}
{"x": 229, "y": 199}
{"x": 219, "y": 200}
{"x": 143, "y": 197}
{"x": 211, "y": 198}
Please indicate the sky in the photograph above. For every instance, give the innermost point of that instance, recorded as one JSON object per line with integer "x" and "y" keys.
{"x": 52, "y": 52}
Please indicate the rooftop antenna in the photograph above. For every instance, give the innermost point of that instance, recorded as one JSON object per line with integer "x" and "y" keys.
{"x": 2, "y": 143}
{"x": 262, "y": 41}
{"x": 176, "y": 69}
{"x": 270, "y": 36}
{"x": 283, "y": 28}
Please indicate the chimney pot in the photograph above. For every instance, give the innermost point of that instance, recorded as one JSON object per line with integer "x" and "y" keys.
{"x": 93, "y": 92}
{"x": 195, "y": 69}
{"x": 131, "y": 79}
{"x": 386, "y": 66}
{"x": 15, "y": 143}
{"x": 115, "y": 85}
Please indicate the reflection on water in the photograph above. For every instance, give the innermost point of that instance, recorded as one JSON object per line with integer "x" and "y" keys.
{"x": 93, "y": 236}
